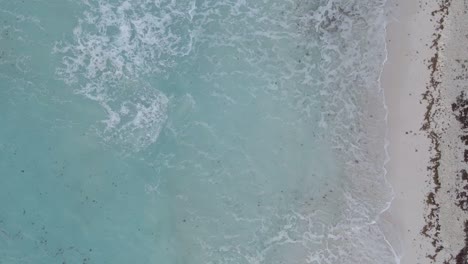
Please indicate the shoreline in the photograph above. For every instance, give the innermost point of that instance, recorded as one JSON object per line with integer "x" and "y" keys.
{"x": 404, "y": 79}
{"x": 423, "y": 81}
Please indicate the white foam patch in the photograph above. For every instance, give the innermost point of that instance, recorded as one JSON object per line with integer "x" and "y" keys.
{"x": 138, "y": 120}
{"x": 117, "y": 41}
{"x": 126, "y": 38}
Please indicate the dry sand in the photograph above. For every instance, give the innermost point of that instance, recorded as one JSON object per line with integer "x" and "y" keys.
{"x": 427, "y": 210}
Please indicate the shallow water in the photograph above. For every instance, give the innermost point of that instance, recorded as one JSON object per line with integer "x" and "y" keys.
{"x": 192, "y": 132}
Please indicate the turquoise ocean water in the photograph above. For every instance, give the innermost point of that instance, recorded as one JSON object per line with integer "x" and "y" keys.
{"x": 191, "y": 131}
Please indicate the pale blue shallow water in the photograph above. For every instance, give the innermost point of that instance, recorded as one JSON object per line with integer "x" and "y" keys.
{"x": 188, "y": 131}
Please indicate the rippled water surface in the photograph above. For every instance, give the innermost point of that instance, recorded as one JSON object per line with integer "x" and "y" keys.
{"x": 190, "y": 132}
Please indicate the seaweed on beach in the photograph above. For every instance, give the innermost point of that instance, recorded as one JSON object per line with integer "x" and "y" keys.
{"x": 462, "y": 194}
{"x": 462, "y": 256}
{"x": 460, "y": 107}
{"x": 432, "y": 227}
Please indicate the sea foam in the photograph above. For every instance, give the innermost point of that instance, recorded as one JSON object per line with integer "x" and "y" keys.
{"x": 116, "y": 44}
{"x": 279, "y": 156}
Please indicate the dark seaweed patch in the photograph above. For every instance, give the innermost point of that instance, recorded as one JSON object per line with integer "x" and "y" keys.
{"x": 462, "y": 193}
{"x": 460, "y": 107}
{"x": 462, "y": 256}
{"x": 432, "y": 95}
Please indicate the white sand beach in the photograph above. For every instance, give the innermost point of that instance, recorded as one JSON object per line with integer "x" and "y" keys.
{"x": 413, "y": 26}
